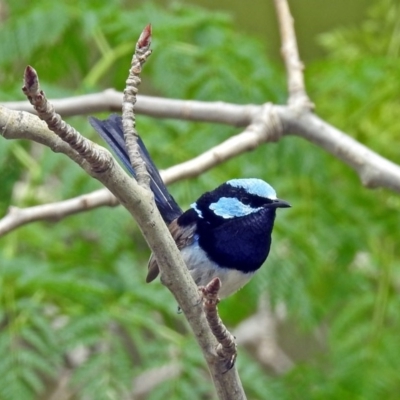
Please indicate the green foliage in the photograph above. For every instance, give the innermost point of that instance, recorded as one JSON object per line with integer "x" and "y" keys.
{"x": 72, "y": 297}
{"x": 28, "y": 342}
{"x": 363, "y": 77}
{"x": 378, "y": 36}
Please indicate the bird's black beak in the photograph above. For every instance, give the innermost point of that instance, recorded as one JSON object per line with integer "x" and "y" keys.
{"x": 278, "y": 203}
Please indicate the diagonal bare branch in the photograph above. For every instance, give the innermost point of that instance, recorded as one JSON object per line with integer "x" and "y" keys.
{"x": 46, "y": 112}
{"x": 139, "y": 202}
{"x": 265, "y": 127}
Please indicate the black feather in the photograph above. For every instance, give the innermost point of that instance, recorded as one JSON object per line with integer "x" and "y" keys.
{"x": 112, "y": 132}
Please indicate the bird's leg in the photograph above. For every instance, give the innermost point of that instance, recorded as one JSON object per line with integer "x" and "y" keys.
{"x": 226, "y": 349}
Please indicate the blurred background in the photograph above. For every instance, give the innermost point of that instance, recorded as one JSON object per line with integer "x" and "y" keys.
{"x": 77, "y": 320}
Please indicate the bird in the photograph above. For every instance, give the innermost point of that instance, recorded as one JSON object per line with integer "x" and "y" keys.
{"x": 225, "y": 233}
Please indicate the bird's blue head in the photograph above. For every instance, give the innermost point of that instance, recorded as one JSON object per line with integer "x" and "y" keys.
{"x": 234, "y": 222}
{"x": 237, "y": 198}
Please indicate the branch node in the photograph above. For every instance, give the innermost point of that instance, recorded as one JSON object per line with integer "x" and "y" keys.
{"x": 268, "y": 123}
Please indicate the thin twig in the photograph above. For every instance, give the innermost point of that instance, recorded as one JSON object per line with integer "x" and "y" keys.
{"x": 226, "y": 348}
{"x": 294, "y": 66}
{"x": 46, "y": 112}
{"x": 17, "y": 217}
{"x": 142, "y": 52}
{"x": 158, "y": 107}
{"x": 266, "y": 127}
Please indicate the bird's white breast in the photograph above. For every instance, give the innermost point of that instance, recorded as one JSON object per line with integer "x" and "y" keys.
{"x": 203, "y": 270}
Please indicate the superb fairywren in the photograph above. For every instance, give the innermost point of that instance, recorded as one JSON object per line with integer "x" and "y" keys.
{"x": 226, "y": 233}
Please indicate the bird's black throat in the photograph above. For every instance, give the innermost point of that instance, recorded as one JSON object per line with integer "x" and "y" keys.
{"x": 238, "y": 243}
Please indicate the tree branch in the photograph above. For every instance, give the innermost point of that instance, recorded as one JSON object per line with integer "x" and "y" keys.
{"x": 267, "y": 123}
{"x": 46, "y": 112}
{"x": 158, "y": 107}
{"x": 374, "y": 170}
{"x": 227, "y": 349}
{"x": 265, "y": 127}
{"x": 260, "y": 131}
{"x": 138, "y": 200}
{"x": 17, "y": 217}
{"x": 294, "y": 67}
{"x": 142, "y": 52}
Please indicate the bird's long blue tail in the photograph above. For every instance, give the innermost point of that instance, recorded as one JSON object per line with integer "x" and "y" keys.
{"x": 111, "y": 131}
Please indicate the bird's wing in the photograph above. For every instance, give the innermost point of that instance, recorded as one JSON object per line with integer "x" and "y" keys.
{"x": 183, "y": 236}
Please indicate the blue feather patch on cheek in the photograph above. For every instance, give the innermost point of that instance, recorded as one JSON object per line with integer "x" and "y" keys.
{"x": 230, "y": 207}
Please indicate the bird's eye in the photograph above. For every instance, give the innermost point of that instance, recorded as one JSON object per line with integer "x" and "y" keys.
{"x": 246, "y": 200}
